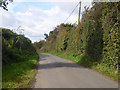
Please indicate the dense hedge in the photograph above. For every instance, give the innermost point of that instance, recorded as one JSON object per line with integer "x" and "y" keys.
{"x": 15, "y": 48}
{"x": 97, "y": 35}
{"x": 111, "y": 35}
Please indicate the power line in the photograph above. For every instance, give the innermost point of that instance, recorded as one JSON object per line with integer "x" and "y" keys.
{"x": 71, "y": 12}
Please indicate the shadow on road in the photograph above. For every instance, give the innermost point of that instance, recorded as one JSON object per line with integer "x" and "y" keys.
{"x": 58, "y": 65}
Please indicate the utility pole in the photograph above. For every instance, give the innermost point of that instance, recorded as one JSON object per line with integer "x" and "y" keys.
{"x": 79, "y": 12}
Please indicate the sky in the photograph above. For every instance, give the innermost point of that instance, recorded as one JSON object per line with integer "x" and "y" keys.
{"x": 37, "y": 17}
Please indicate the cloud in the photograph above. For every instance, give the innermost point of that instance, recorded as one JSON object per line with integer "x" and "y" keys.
{"x": 53, "y": 0}
{"x": 36, "y": 21}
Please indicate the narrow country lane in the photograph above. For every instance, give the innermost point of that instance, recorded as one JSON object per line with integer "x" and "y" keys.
{"x": 55, "y": 72}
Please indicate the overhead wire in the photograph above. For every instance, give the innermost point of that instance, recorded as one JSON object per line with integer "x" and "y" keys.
{"x": 71, "y": 13}
{"x": 65, "y": 19}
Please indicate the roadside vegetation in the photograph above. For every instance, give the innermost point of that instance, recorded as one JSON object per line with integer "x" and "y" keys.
{"x": 19, "y": 59}
{"x": 84, "y": 61}
{"x": 94, "y": 43}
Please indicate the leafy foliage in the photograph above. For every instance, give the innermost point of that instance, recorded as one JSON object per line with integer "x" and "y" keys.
{"x": 15, "y": 48}
{"x": 111, "y": 34}
{"x": 39, "y": 45}
{"x": 19, "y": 58}
{"x": 4, "y": 3}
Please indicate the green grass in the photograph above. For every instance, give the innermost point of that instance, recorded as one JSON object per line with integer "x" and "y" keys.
{"x": 19, "y": 75}
{"x": 84, "y": 60}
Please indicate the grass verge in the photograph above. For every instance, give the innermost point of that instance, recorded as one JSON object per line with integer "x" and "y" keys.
{"x": 19, "y": 75}
{"x": 84, "y": 60}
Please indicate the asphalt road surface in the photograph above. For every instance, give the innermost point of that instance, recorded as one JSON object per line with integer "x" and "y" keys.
{"x": 55, "y": 72}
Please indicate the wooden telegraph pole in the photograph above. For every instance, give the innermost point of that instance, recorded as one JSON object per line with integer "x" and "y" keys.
{"x": 79, "y": 12}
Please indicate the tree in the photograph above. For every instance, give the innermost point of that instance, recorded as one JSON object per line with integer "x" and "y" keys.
{"x": 4, "y": 3}
{"x": 46, "y": 36}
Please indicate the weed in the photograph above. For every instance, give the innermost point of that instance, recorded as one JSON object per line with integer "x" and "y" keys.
{"x": 19, "y": 75}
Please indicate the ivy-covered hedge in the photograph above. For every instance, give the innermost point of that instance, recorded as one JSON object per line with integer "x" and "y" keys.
{"x": 97, "y": 36}
{"x": 111, "y": 35}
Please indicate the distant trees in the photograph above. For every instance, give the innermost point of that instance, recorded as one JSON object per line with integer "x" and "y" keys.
{"x": 39, "y": 45}
{"x": 46, "y": 36}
